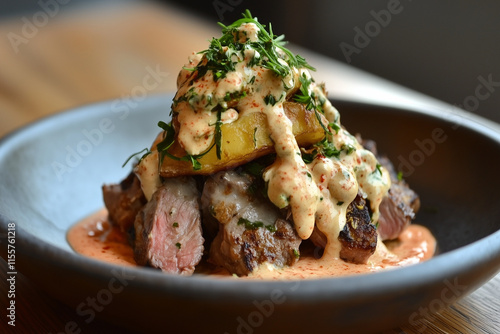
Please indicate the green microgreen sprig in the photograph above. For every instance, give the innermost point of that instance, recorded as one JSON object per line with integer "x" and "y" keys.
{"x": 168, "y": 140}
{"x": 309, "y": 98}
{"x": 218, "y": 58}
{"x": 328, "y": 149}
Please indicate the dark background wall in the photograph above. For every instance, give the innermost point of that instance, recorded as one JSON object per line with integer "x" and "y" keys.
{"x": 446, "y": 49}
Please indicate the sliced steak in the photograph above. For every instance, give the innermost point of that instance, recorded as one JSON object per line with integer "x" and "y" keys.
{"x": 250, "y": 229}
{"x": 407, "y": 195}
{"x": 358, "y": 238}
{"x": 395, "y": 212}
{"x": 398, "y": 208}
{"x": 168, "y": 228}
{"x": 124, "y": 201}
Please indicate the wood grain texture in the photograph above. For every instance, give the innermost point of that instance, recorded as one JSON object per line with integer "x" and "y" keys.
{"x": 88, "y": 55}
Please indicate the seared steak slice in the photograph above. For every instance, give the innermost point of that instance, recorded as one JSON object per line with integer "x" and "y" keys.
{"x": 240, "y": 249}
{"x": 358, "y": 239}
{"x": 398, "y": 208}
{"x": 407, "y": 196}
{"x": 395, "y": 212}
{"x": 168, "y": 228}
{"x": 250, "y": 228}
{"x": 124, "y": 201}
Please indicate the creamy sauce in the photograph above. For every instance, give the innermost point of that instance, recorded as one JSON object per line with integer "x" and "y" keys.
{"x": 96, "y": 238}
{"x": 317, "y": 193}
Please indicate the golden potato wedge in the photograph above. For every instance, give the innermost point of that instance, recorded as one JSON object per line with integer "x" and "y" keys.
{"x": 244, "y": 140}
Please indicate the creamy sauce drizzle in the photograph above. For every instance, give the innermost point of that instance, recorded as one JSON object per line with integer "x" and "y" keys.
{"x": 96, "y": 238}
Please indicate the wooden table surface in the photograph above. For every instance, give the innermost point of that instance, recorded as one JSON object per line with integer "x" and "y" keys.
{"x": 89, "y": 55}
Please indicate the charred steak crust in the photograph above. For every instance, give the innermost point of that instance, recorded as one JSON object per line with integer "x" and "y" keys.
{"x": 241, "y": 251}
{"x": 249, "y": 228}
{"x": 399, "y": 206}
{"x": 168, "y": 228}
{"x": 358, "y": 238}
{"x": 123, "y": 201}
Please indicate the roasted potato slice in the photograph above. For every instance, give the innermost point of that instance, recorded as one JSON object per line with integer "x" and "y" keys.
{"x": 244, "y": 140}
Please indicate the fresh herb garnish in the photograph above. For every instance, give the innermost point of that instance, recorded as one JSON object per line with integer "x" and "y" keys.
{"x": 335, "y": 127}
{"x": 310, "y": 99}
{"x": 218, "y": 134}
{"x": 250, "y": 225}
{"x": 235, "y": 96}
{"x": 255, "y": 225}
{"x": 271, "y": 228}
{"x": 326, "y": 148}
{"x": 254, "y": 138}
{"x": 270, "y": 99}
{"x": 378, "y": 168}
{"x": 308, "y": 156}
{"x": 224, "y": 52}
{"x": 168, "y": 140}
{"x": 267, "y": 46}
{"x": 135, "y": 154}
{"x": 305, "y": 97}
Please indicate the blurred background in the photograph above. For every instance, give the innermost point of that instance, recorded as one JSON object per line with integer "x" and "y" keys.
{"x": 449, "y": 50}
{"x": 440, "y": 48}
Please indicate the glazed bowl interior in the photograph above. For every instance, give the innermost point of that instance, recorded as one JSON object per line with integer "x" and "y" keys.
{"x": 447, "y": 161}
{"x": 52, "y": 171}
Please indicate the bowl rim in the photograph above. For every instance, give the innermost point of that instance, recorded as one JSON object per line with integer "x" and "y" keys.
{"x": 451, "y": 264}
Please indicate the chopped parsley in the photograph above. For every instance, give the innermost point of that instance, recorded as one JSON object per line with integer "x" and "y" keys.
{"x": 178, "y": 245}
{"x": 308, "y": 157}
{"x": 254, "y": 138}
{"x": 224, "y": 52}
{"x": 168, "y": 140}
{"x": 335, "y": 127}
{"x": 270, "y": 99}
{"x": 218, "y": 134}
{"x": 267, "y": 46}
{"x": 309, "y": 98}
{"x": 136, "y": 154}
{"x": 378, "y": 168}
{"x": 255, "y": 225}
{"x": 328, "y": 149}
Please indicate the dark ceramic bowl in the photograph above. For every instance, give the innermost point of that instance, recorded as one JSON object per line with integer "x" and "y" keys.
{"x": 51, "y": 173}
